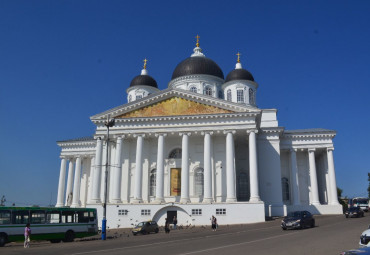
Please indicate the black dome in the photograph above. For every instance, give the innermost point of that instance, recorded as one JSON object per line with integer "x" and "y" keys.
{"x": 239, "y": 74}
{"x": 197, "y": 65}
{"x": 143, "y": 80}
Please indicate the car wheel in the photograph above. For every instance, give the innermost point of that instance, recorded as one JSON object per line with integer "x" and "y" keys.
{"x": 55, "y": 240}
{"x": 143, "y": 232}
{"x": 156, "y": 230}
{"x": 70, "y": 236}
{"x": 283, "y": 228}
{"x": 346, "y": 216}
{"x": 3, "y": 239}
{"x": 134, "y": 233}
{"x": 313, "y": 224}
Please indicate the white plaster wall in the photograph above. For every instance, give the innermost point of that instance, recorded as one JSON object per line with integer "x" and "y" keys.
{"x": 234, "y": 86}
{"x": 286, "y": 172}
{"x": 141, "y": 90}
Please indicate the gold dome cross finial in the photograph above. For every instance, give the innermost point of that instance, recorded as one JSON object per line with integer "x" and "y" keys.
{"x": 197, "y": 40}
{"x": 145, "y": 60}
{"x": 238, "y": 54}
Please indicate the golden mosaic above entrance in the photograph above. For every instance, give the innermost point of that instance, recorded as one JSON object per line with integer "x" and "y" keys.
{"x": 172, "y": 107}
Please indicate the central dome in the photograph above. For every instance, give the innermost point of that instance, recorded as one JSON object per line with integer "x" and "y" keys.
{"x": 197, "y": 65}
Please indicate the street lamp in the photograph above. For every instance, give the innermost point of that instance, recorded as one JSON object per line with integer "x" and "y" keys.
{"x": 109, "y": 123}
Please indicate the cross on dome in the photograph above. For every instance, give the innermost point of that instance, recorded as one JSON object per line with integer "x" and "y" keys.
{"x": 238, "y": 64}
{"x": 197, "y": 50}
{"x": 145, "y": 60}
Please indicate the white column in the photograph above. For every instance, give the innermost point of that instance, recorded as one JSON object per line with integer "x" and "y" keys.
{"x": 313, "y": 178}
{"x": 69, "y": 193}
{"x": 138, "y": 170}
{"x": 95, "y": 198}
{"x": 159, "y": 188}
{"x": 62, "y": 182}
{"x": 253, "y": 168}
{"x": 230, "y": 170}
{"x": 333, "y": 184}
{"x": 207, "y": 169}
{"x": 77, "y": 183}
{"x": 116, "y": 196}
{"x": 295, "y": 180}
{"x": 90, "y": 179}
{"x": 185, "y": 169}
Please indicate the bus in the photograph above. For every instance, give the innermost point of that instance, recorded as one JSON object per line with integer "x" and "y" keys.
{"x": 361, "y": 202}
{"x": 53, "y": 224}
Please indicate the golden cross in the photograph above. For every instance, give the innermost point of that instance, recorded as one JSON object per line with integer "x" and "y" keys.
{"x": 238, "y": 57}
{"x": 145, "y": 60}
{"x": 197, "y": 40}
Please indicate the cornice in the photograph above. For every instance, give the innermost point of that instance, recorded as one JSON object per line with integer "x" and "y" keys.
{"x": 199, "y": 77}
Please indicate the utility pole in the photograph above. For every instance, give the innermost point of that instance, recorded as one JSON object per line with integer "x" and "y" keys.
{"x": 2, "y": 201}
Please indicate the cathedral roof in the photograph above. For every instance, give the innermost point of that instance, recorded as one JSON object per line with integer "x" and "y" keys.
{"x": 144, "y": 78}
{"x": 239, "y": 73}
{"x": 197, "y": 65}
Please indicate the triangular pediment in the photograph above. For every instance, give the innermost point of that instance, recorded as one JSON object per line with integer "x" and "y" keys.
{"x": 174, "y": 106}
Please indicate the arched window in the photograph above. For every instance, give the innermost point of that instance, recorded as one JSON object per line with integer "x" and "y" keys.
{"x": 152, "y": 183}
{"x": 243, "y": 187}
{"x": 208, "y": 91}
{"x": 251, "y": 97}
{"x": 229, "y": 95}
{"x": 198, "y": 181}
{"x": 139, "y": 97}
{"x": 129, "y": 98}
{"x": 240, "y": 96}
{"x": 175, "y": 153}
{"x": 194, "y": 89}
{"x": 285, "y": 188}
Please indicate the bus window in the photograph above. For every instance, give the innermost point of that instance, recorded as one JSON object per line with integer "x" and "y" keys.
{"x": 38, "y": 217}
{"x": 4, "y": 217}
{"x": 67, "y": 217}
{"x": 20, "y": 217}
{"x": 83, "y": 217}
{"x": 53, "y": 217}
{"x": 91, "y": 216}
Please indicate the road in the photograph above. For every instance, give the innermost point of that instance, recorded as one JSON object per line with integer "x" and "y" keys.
{"x": 331, "y": 235}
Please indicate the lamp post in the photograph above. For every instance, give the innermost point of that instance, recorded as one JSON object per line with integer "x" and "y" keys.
{"x": 109, "y": 123}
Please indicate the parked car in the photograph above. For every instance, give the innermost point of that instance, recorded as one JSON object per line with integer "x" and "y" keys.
{"x": 362, "y": 251}
{"x": 298, "y": 219}
{"x": 145, "y": 227}
{"x": 365, "y": 238}
{"x": 354, "y": 212}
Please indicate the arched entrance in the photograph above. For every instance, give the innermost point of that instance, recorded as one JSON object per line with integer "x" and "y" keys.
{"x": 183, "y": 218}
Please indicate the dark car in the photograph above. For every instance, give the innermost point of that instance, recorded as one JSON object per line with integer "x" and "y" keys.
{"x": 354, "y": 212}
{"x": 362, "y": 251}
{"x": 145, "y": 227}
{"x": 298, "y": 219}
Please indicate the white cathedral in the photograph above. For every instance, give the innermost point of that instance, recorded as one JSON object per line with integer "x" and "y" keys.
{"x": 199, "y": 148}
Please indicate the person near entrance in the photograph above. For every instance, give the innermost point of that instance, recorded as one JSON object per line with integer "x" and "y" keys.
{"x": 167, "y": 226}
{"x": 214, "y": 223}
{"x": 174, "y": 222}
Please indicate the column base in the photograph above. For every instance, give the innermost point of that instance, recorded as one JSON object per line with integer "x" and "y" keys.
{"x": 116, "y": 201}
{"x": 184, "y": 201}
{"x": 159, "y": 201}
{"x": 137, "y": 201}
{"x": 254, "y": 199}
{"x": 230, "y": 200}
{"x": 75, "y": 205}
{"x": 334, "y": 203}
{"x": 315, "y": 203}
{"x": 207, "y": 201}
{"x": 59, "y": 205}
{"x": 95, "y": 201}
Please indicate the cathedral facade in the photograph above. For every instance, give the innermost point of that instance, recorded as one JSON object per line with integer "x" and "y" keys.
{"x": 199, "y": 148}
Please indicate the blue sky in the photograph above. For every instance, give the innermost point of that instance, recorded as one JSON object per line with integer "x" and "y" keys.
{"x": 64, "y": 61}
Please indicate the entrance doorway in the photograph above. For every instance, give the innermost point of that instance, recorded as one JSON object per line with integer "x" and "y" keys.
{"x": 170, "y": 215}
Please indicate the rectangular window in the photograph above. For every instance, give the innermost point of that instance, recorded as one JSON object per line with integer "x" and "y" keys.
{"x": 221, "y": 211}
{"x": 122, "y": 212}
{"x": 53, "y": 217}
{"x": 145, "y": 212}
{"x": 196, "y": 211}
{"x": 4, "y": 217}
{"x": 38, "y": 217}
{"x": 20, "y": 217}
{"x": 240, "y": 96}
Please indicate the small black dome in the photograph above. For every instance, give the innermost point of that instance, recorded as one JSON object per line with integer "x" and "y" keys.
{"x": 197, "y": 65}
{"x": 143, "y": 80}
{"x": 239, "y": 74}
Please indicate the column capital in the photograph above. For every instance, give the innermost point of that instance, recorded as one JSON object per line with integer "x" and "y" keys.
{"x": 184, "y": 133}
{"x": 160, "y": 134}
{"x": 207, "y": 132}
{"x": 63, "y": 157}
{"x": 293, "y": 149}
{"x": 119, "y": 136}
{"x": 99, "y": 137}
{"x": 252, "y": 130}
{"x": 311, "y": 149}
{"x": 330, "y": 148}
{"x": 229, "y": 131}
{"x": 137, "y": 135}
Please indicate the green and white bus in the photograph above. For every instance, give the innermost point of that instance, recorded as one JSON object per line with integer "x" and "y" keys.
{"x": 47, "y": 223}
